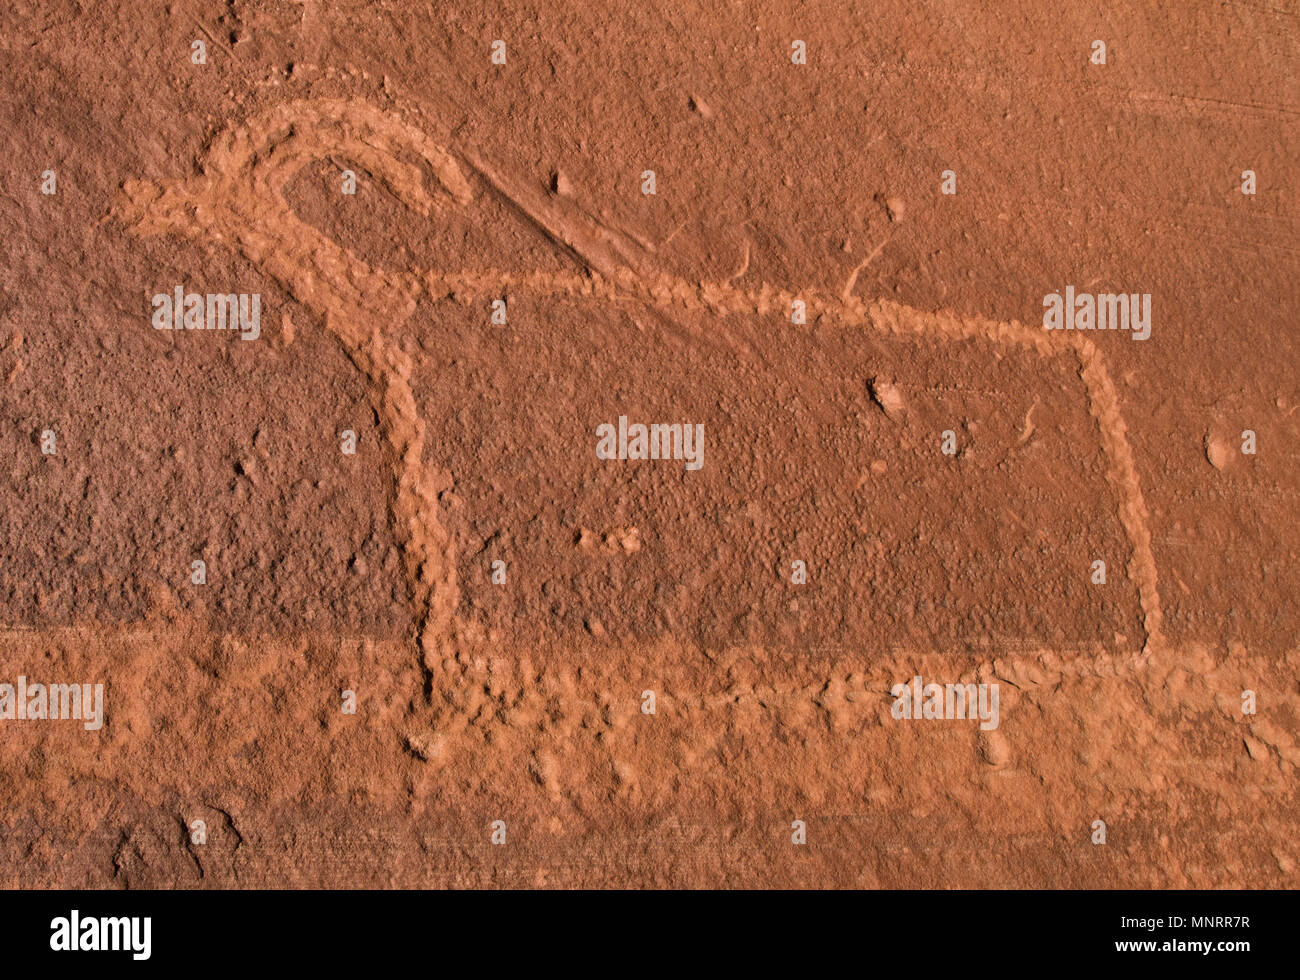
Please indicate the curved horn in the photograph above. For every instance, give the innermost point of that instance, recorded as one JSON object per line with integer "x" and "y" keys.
{"x": 274, "y": 146}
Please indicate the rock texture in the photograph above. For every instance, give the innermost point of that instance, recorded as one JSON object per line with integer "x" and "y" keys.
{"x": 575, "y": 671}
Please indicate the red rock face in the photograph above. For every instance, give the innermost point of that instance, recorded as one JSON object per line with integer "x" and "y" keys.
{"x": 369, "y": 608}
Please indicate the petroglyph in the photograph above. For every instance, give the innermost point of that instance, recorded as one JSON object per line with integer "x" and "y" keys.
{"x": 238, "y": 200}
